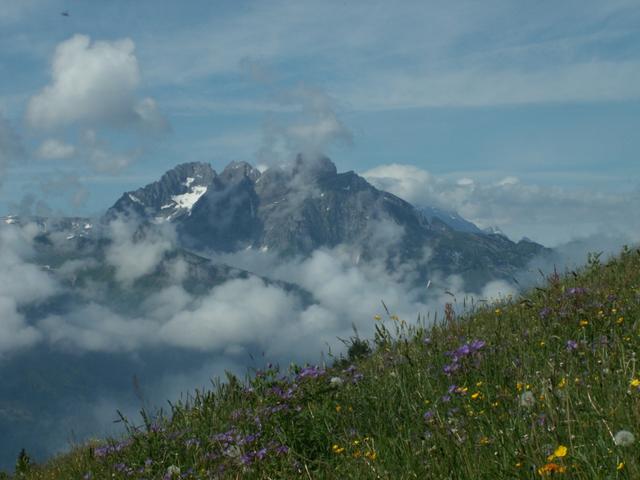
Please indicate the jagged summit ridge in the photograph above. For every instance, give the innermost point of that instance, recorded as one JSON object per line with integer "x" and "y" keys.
{"x": 295, "y": 209}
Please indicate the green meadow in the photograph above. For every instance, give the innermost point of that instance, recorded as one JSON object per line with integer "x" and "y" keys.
{"x": 543, "y": 385}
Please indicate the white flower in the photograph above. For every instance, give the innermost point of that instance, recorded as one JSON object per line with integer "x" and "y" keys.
{"x": 624, "y": 438}
{"x": 527, "y": 399}
{"x": 336, "y": 381}
{"x": 173, "y": 470}
{"x": 233, "y": 452}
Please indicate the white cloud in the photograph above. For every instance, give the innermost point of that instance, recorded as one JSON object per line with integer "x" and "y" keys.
{"x": 311, "y": 130}
{"x": 239, "y": 312}
{"x": 134, "y": 253}
{"x": 53, "y": 149}
{"x": 550, "y": 215}
{"x": 93, "y": 83}
{"x": 22, "y": 283}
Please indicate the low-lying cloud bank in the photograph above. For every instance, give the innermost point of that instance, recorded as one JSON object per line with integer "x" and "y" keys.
{"x": 552, "y": 216}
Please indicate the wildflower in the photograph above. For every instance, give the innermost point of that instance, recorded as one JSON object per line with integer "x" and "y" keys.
{"x": 338, "y": 408}
{"x": 171, "y": 471}
{"x": 562, "y": 383}
{"x": 635, "y": 383}
{"x": 620, "y": 466}
{"x": 572, "y": 345}
{"x": 377, "y": 318}
{"x": 428, "y": 415}
{"x": 584, "y": 323}
{"x": 550, "y": 468}
{"x": 371, "y": 455}
{"x": 624, "y": 438}
{"x": 336, "y": 381}
{"x": 476, "y": 395}
{"x": 527, "y": 399}
{"x": 559, "y": 452}
{"x": 337, "y": 449}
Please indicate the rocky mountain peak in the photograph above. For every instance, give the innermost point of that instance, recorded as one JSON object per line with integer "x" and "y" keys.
{"x": 237, "y": 171}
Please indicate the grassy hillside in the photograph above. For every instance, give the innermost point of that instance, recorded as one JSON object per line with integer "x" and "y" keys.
{"x": 545, "y": 385}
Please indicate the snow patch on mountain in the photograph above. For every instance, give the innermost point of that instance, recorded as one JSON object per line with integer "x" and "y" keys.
{"x": 187, "y": 200}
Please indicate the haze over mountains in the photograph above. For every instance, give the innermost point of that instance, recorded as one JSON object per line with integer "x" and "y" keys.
{"x": 192, "y": 274}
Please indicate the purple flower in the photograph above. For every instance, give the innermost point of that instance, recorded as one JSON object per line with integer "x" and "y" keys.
{"x": 192, "y": 442}
{"x": 477, "y": 345}
{"x": 572, "y": 345}
{"x": 261, "y": 454}
{"x": 428, "y": 415}
{"x": 575, "y": 291}
{"x": 282, "y": 449}
{"x": 463, "y": 350}
{"x": 310, "y": 372}
{"x": 450, "y": 368}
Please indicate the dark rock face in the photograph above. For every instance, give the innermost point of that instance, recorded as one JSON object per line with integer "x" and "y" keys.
{"x": 170, "y": 197}
{"x": 296, "y": 209}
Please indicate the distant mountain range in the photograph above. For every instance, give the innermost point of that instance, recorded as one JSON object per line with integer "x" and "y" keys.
{"x": 297, "y": 209}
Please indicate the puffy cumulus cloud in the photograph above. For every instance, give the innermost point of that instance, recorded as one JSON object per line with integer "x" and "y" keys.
{"x": 53, "y": 149}
{"x": 134, "y": 252}
{"x": 236, "y": 314}
{"x": 94, "y": 328}
{"x": 547, "y": 214}
{"x": 95, "y": 83}
{"x": 22, "y": 283}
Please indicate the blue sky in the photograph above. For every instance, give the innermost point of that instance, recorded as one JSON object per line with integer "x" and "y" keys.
{"x": 520, "y": 115}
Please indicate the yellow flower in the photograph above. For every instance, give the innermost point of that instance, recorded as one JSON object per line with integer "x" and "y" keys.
{"x": 635, "y": 383}
{"x": 479, "y": 384}
{"x": 498, "y": 311}
{"x": 476, "y": 395}
{"x": 485, "y": 441}
{"x": 519, "y": 465}
{"x": 337, "y": 449}
{"x": 620, "y": 466}
{"x": 584, "y": 323}
{"x": 620, "y": 320}
{"x": 377, "y": 317}
{"x": 560, "y": 452}
{"x": 371, "y": 455}
{"x": 542, "y": 344}
{"x": 338, "y": 408}
{"x": 357, "y": 454}
{"x": 549, "y": 468}
{"x": 563, "y": 383}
